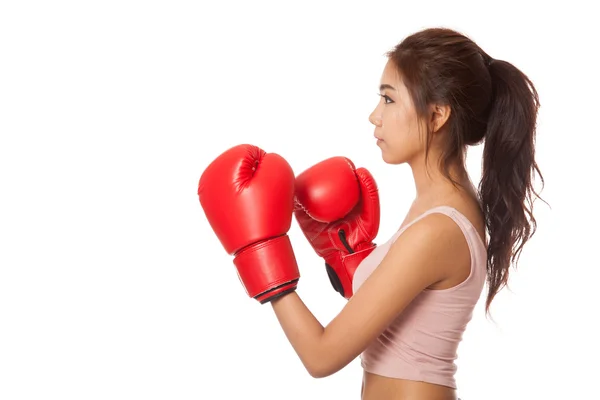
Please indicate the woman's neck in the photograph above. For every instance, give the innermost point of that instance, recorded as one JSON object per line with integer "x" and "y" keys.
{"x": 433, "y": 187}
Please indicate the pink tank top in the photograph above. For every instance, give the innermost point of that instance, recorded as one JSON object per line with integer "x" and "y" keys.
{"x": 421, "y": 343}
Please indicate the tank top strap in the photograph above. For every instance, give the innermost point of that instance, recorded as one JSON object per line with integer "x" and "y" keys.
{"x": 442, "y": 209}
{"x": 463, "y": 222}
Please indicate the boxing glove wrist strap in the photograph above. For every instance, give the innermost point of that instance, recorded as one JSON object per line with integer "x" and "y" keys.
{"x": 341, "y": 269}
{"x": 268, "y": 269}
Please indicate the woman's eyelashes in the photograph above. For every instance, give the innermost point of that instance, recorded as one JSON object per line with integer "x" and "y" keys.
{"x": 386, "y": 98}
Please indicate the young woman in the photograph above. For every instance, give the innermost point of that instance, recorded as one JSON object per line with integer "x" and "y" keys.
{"x": 411, "y": 298}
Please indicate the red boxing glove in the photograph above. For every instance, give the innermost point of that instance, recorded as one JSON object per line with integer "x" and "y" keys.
{"x": 248, "y": 198}
{"x": 337, "y": 208}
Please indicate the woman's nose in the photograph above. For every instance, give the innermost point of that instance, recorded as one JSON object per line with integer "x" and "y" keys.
{"x": 375, "y": 119}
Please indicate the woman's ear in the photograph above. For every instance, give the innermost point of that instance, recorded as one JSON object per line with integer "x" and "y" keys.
{"x": 439, "y": 116}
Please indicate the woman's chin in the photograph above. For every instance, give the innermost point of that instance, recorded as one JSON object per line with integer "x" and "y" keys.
{"x": 391, "y": 158}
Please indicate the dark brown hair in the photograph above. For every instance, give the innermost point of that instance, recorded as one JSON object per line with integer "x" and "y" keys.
{"x": 491, "y": 101}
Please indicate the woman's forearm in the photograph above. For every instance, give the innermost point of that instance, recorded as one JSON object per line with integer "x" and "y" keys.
{"x": 304, "y": 332}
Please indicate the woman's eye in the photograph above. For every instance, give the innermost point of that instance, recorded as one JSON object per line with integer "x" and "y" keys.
{"x": 386, "y": 98}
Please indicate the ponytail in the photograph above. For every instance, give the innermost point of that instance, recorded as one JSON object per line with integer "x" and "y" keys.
{"x": 506, "y": 189}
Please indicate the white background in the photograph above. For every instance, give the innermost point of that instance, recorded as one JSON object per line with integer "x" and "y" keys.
{"x": 112, "y": 284}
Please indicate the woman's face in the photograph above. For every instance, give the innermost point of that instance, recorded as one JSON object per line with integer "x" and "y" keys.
{"x": 395, "y": 120}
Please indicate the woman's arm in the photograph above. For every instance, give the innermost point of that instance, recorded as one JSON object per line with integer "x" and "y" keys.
{"x": 420, "y": 257}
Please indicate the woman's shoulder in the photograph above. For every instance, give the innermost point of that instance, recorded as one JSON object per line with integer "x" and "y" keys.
{"x": 469, "y": 209}
{"x": 447, "y": 228}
